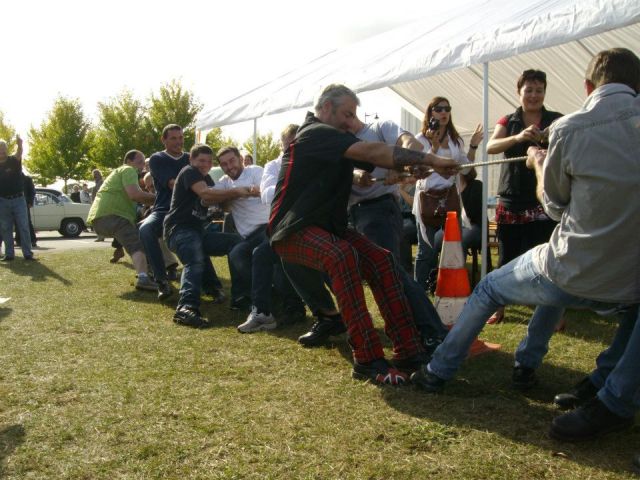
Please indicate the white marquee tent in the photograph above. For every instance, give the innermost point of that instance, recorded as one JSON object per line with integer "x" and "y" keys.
{"x": 473, "y": 56}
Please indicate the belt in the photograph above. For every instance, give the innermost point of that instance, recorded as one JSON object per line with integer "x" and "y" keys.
{"x": 9, "y": 197}
{"x": 386, "y": 196}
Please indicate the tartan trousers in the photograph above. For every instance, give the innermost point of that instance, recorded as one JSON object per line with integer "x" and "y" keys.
{"x": 347, "y": 260}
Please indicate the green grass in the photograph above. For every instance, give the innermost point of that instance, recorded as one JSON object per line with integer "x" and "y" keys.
{"x": 98, "y": 383}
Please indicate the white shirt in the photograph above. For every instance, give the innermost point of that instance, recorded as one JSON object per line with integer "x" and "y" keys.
{"x": 248, "y": 213}
{"x": 269, "y": 180}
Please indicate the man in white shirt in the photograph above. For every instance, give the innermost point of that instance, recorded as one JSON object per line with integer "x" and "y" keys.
{"x": 250, "y": 261}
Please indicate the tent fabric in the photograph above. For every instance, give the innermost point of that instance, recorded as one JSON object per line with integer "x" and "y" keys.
{"x": 444, "y": 57}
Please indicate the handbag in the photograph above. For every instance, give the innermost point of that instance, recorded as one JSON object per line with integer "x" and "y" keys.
{"x": 434, "y": 205}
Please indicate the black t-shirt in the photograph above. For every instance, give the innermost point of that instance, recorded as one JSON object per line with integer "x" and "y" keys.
{"x": 315, "y": 181}
{"x": 163, "y": 168}
{"x": 11, "y": 177}
{"x": 186, "y": 209}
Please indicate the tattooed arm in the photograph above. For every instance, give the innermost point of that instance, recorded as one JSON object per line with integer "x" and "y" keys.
{"x": 382, "y": 155}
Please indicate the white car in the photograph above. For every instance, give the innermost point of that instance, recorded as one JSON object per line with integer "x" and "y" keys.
{"x": 53, "y": 210}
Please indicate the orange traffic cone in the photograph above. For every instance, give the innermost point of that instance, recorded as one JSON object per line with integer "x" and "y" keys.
{"x": 452, "y": 287}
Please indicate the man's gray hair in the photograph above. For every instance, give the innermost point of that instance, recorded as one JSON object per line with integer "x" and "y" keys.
{"x": 333, "y": 93}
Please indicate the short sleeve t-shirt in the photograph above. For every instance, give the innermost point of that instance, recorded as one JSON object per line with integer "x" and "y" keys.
{"x": 163, "y": 168}
{"x": 186, "y": 210}
{"x": 112, "y": 198}
{"x": 314, "y": 181}
{"x": 11, "y": 177}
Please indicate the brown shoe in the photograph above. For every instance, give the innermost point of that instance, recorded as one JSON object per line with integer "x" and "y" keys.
{"x": 118, "y": 253}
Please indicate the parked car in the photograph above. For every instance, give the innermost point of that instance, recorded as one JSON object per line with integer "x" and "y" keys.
{"x": 53, "y": 210}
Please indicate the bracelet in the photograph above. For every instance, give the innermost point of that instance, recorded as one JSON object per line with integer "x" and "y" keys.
{"x": 473, "y": 147}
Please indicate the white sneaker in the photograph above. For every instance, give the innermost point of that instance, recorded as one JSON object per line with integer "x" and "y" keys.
{"x": 256, "y": 322}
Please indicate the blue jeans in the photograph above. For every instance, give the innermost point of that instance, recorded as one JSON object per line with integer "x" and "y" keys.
{"x": 193, "y": 248}
{"x": 14, "y": 210}
{"x": 251, "y": 269}
{"x": 518, "y": 282}
{"x": 311, "y": 286}
{"x": 616, "y": 372}
{"x": 381, "y": 222}
{"x": 150, "y": 234}
{"x": 426, "y": 256}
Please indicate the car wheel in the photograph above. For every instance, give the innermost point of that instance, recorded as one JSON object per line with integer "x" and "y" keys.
{"x": 71, "y": 228}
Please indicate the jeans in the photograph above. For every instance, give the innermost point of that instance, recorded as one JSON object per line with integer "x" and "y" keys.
{"x": 310, "y": 285}
{"x": 616, "y": 372}
{"x": 426, "y": 256}
{"x": 251, "y": 269}
{"x": 193, "y": 247}
{"x": 381, "y": 222}
{"x": 14, "y": 210}
{"x": 518, "y": 282}
{"x": 471, "y": 237}
{"x": 150, "y": 235}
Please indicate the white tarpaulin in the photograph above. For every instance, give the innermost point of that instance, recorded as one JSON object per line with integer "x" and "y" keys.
{"x": 444, "y": 56}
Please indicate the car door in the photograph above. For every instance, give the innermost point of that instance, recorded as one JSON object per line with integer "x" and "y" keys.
{"x": 47, "y": 212}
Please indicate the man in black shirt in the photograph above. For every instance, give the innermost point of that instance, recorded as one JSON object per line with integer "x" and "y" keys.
{"x": 13, "y": 207}
{"x": 185, "y": 234}
{"x": 308, "y": 226}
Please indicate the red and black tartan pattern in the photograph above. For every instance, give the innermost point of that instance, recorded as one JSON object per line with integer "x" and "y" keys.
{"x": 345, "y": 260}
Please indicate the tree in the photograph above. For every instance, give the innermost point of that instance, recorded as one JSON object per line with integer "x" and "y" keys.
{"x": 8, "y": 134}
{"x": 60, "y": 147}
{"x": 121, "y": 127}
{"x": 267, "y": 147}
{"x": 216, "y": 140}
{"x": 173, "y": 104}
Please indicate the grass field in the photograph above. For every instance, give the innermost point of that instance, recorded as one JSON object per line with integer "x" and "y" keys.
{"x": 96, "y": 382}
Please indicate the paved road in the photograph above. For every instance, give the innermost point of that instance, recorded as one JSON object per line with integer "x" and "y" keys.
{"x": 54, "y": 242}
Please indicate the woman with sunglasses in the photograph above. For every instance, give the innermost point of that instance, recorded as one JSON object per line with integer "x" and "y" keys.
{"x": 438, "y": 136}
{"x": 522, "y": 223}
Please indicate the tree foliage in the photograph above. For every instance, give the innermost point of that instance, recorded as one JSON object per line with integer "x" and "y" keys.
{"x": 122, "y": 126}
{"x": 173, "y": 104}
{"x": 60, "y": 147}
{"x": 267, "y": 147}
{"x": 8, "y": 134}
{"x": 216, "y": 140}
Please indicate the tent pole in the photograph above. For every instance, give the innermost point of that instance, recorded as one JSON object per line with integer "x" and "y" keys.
{"x": 255, "y": 141}
{"x": 485, "y": 171}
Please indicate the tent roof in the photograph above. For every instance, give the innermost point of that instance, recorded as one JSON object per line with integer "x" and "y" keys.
{"x": 423, "y": 59}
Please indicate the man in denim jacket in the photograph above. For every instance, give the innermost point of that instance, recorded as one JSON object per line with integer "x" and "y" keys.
{"x": 588, "y": 181}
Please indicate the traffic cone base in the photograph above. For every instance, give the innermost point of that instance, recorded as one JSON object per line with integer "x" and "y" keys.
{"x": 478, "y": 347}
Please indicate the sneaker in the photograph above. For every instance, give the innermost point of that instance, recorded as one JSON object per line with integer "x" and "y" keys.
{"x": 321, "y": 330}
{"x": 578, "y": 395}
{"x": 257, "y": 321}
{"x": 427, "y": 381}
{"x": 7, "y": 258}
{"x": 190, "y": 317}
{"x": 411, "y": 364}
{"x": 379, "y": 372}
{"x": 523, "y": 378}
{"x": 587, "y": 422}
{"x": 164, "y": 290}
{"x": 218, "y": 296}
{"x": 30, "y": 258}
{"x": 240, "y": 303}
{"x": 145, "y": 283}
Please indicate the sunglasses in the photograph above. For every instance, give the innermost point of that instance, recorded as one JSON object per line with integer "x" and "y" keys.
{"x": 441, "y": 109}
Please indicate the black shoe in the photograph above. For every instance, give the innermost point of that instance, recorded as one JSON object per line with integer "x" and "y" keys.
{"x": 578, "y": 395}
{"x": 218, "y": 296}
{"x": 164, "y": 290}
{"x": 190, "y": 318}
{"x": 430, "y": 345}
{"x": 411, "y": 364}
{"x": 636, "y": 463}
{"x": 321, "y": 330}
{"x": 427, "y": 381}
{"x": 241, "y": 303}
{"x": 589, "y": 421}
{"x": 379, "y": 372}
{"x": 523, "y": 378}
{"x": 30, "y": 258}
{"x": 7, "y": 258}
{"x": 172, "y": 272}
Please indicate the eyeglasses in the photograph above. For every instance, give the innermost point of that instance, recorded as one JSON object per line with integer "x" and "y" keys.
{"x": 439, "y": 109}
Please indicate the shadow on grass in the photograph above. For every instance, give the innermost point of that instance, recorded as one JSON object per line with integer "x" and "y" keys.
{"x": 480, "y": 398}
{"x": 36, "y": 270}
{"x": 10, "y": 439}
